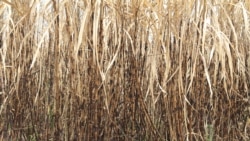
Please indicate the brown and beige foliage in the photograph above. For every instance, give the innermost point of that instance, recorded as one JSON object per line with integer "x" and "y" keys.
{"x": 124, "y": 69}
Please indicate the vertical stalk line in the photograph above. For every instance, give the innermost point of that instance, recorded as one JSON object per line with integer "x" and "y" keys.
{"x": 133, "y": 69}
{"x": 56, "y": 70}
{"x": 180, "y": 90}
{"x": 96, "y": 82}
{"x": 93, "y": 71}
{"x": 67, "y": 110}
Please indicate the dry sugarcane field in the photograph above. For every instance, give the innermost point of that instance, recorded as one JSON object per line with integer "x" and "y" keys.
{"x": 125, "y": 70}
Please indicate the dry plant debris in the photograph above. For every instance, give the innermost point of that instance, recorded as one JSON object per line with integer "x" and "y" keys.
{"x": 124, "y": 70}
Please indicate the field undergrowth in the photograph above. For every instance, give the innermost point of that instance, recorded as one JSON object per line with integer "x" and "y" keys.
{"x": 119, "y": 70}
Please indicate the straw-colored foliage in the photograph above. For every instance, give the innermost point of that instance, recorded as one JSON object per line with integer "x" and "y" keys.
{"x": 124, "y": 70}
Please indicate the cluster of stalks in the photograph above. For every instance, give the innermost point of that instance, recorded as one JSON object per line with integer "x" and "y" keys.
{"x": 124, "y": 70}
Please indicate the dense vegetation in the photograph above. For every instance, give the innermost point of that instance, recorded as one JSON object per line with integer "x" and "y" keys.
{"x": 124, "y": 70}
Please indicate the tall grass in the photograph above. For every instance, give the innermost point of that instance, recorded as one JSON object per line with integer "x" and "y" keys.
{"x": 124, "y": 70}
